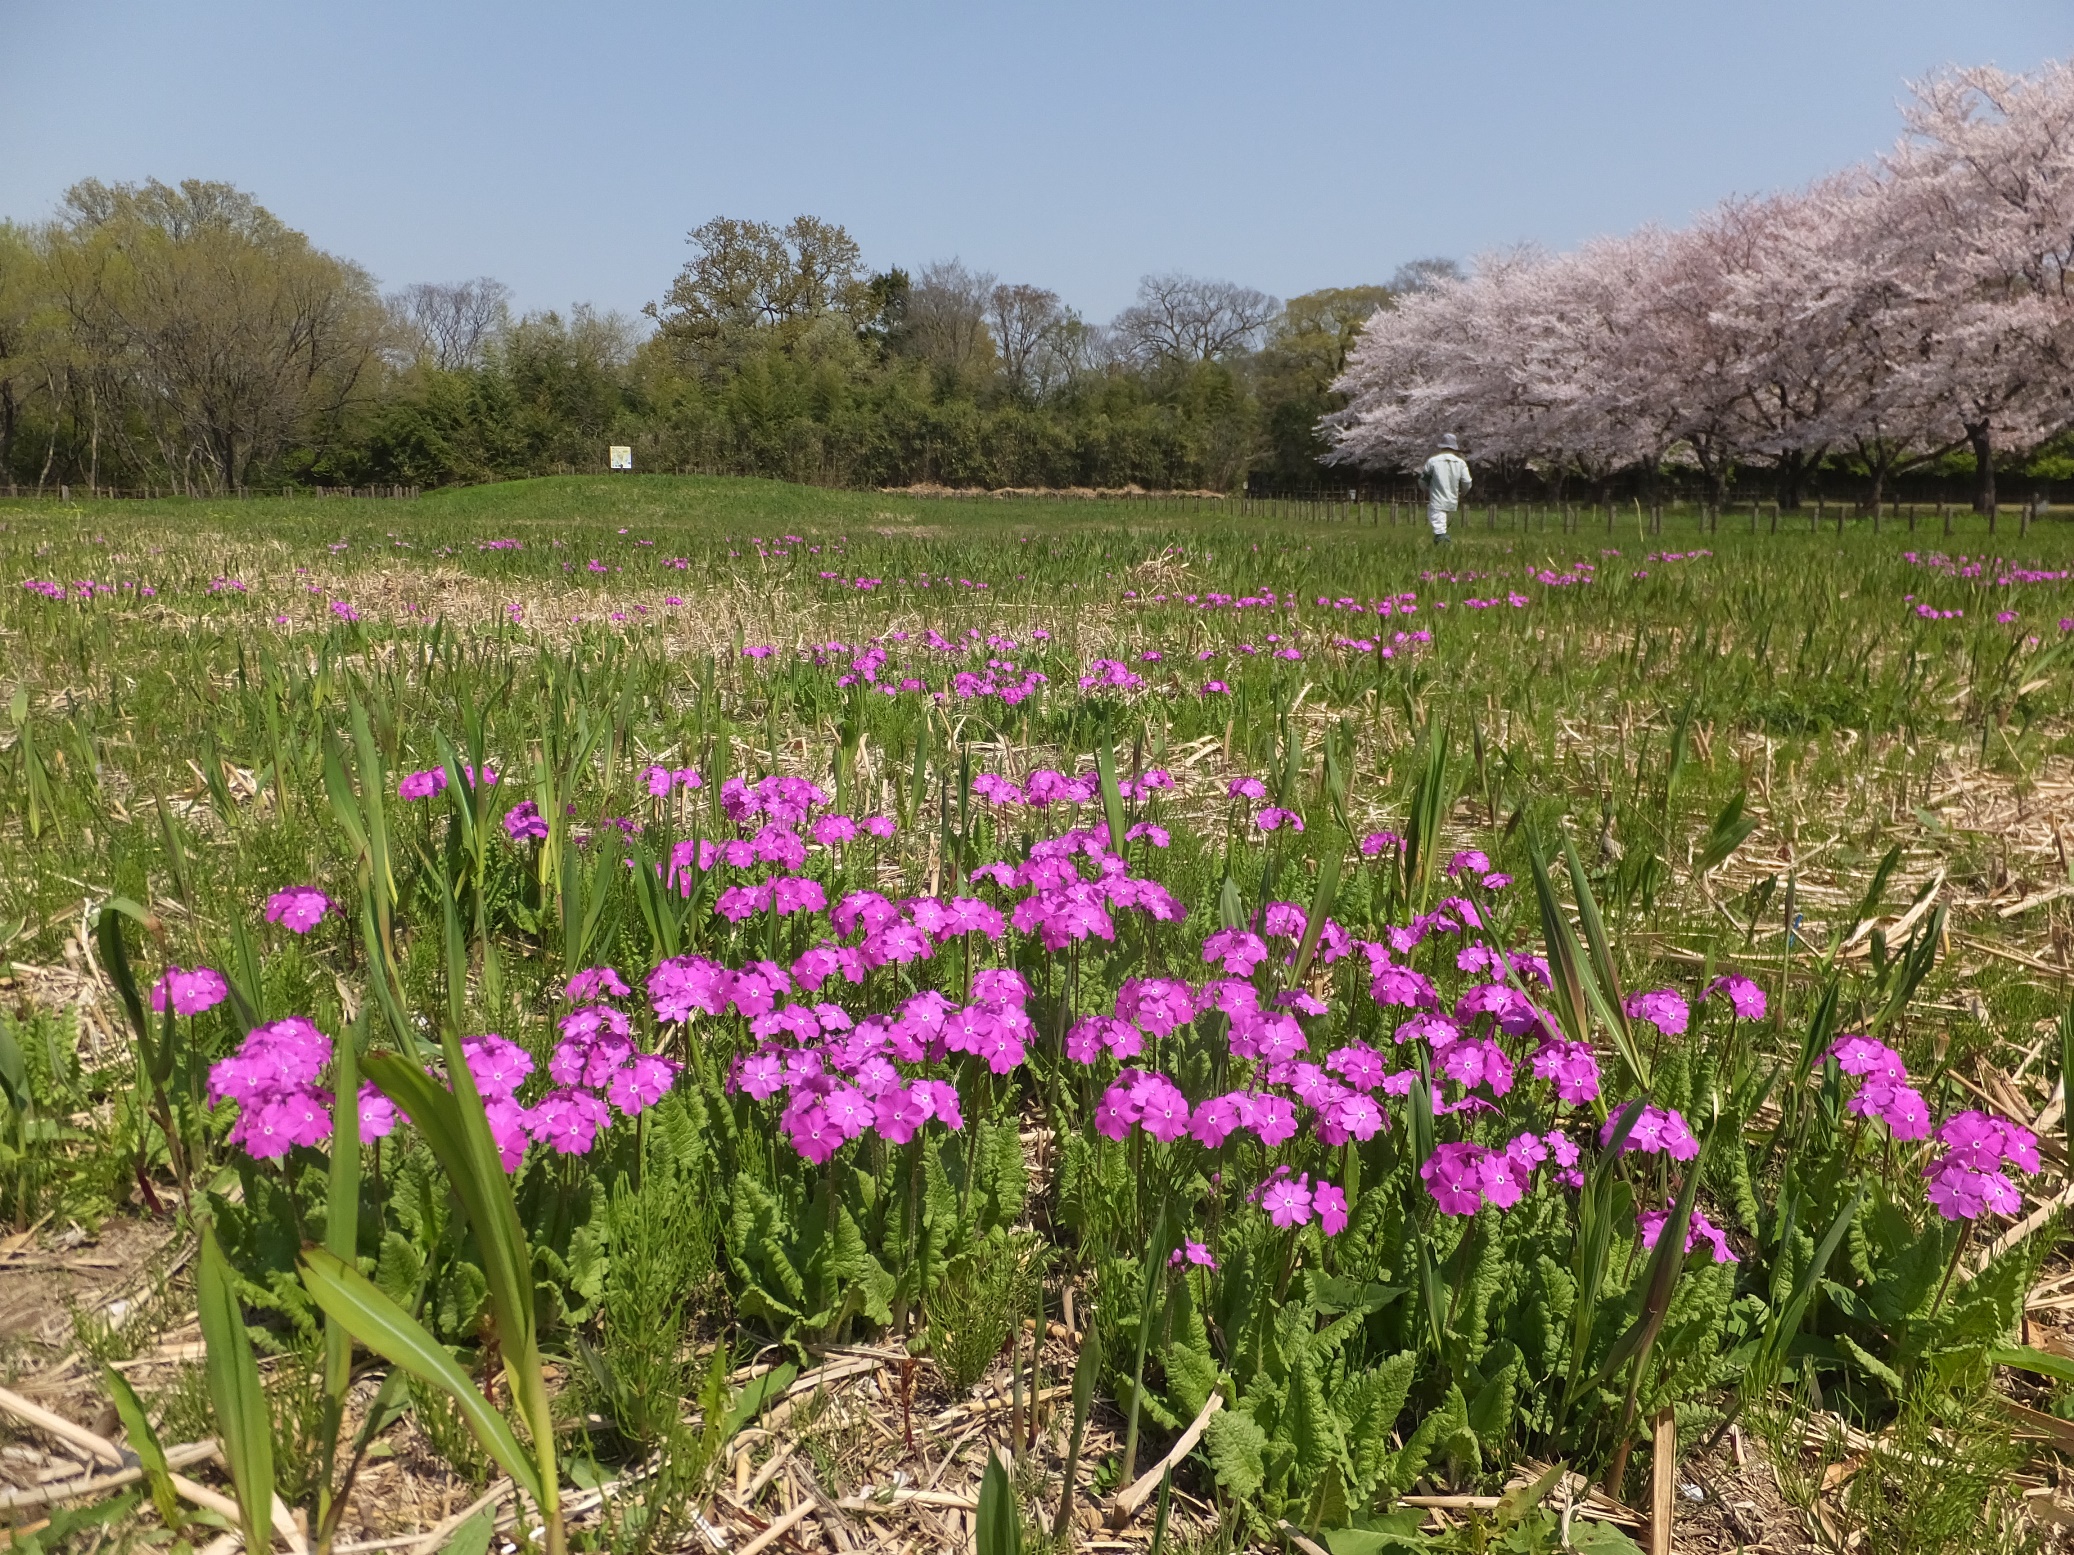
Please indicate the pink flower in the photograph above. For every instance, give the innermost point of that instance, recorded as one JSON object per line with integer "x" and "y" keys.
{"x": 593, "y": 983}
{"x": 1652, "y": 1224}
{"x": 299, "y": 909}
{"x": 1744, "y": 996}
{"x": 1665, "y": 1008}
{"x": 1236, "y": 950}
{"x": 1331, "y": 1205}
{"x": 1657, "y": 1129}
{"x": 1571, "y": 1067}
{"x": 191, "y": 992}
{"x": 524, "y": 821}
{"x": 1191, "y": 1252}
{"x": 1451, "y": 1174}
{"x": 568, "y": 1120}
{"x": 1287, "y": 1201}
{"x": 1961, "y": 1193}
{"x": 422, "y": 785}
{"x": 497, "y": 1065}
{"x": 1214, "y": 1121}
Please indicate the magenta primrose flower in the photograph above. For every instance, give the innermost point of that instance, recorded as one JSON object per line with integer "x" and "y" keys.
{"x": 1744, "y": 996}
{"x": 1191, "y": 1252}
{"x": 191, "y": 992}
{"x": 1700, "y": 1229}
{"x": 1287, "y": 1201}
{"x": 596, "y": 982}
{"x": 298, "y": 909}
{"x": 1664, "y": 1008}
{"x": 1966, "y": 1178}
{"x": 524, "y": 822}
{"x": 1884, "y": 1092}
{"x": 273, "y": 1078}
{"x": 1658, "y": 1130}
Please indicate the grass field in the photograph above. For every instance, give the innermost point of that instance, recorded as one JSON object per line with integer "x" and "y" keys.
{"x": 1144, "y": 990}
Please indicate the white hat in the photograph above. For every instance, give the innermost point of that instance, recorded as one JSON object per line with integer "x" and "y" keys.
{"x": 1447, "y": 440}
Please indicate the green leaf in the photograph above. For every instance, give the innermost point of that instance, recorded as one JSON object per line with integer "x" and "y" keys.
{"x": 1000, "y": 1526}
{"x": 1112, "y": 796}
{"x": 1321, "y": 909}
{"x": 1603, "y": 989}
{"x": 392, "y": 1333}
{"x": 1384, "y": 1533}
{"x": 2040, "y": 1362}
{"x": 115, "y": 961}
{"x": 244, "y": 1426}
{"x": 473, "y": 1537}
{"x": 65, "y": 1522}
{"x": 1237, "y": 1446}
{"x": 1730, "y": 830}
{"x": 453, "y": 1125}
{"x": 144, "y": 1442}
{"x": 342, "y": 1198}
{"x": 758, "y": 1394}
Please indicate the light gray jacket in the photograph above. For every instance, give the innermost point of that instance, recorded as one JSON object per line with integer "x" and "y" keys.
{"x": 1444, "y": 478}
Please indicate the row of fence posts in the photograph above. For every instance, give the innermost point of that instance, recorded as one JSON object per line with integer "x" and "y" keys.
{"x": 62, "y": 492}
{"x": 1577, "y": 518}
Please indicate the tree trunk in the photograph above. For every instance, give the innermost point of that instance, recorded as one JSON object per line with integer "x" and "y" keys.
{"x": 1981, "y": 435}
{"x": 1793, "y": 469}
{"x": 1879, "y": 483}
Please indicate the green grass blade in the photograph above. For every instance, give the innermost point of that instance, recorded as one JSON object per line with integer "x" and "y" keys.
{"x": 2038, "y": 1362}
{"x": 1603, "y": 987}
{"x": 1321, "y": 909}
{"x": 243, "y": 1423}
{"x": 144, "y": 1442}
{"x": 1112, "y": 796}
{"x": 344, "y": 1293}
{"x": 1000, "y": 1525}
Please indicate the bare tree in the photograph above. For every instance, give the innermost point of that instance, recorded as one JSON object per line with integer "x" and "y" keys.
{"x": 946, "y": 321}
{"x": 1187, "y": 319}
{"x": 1028, "y": 322}
{"x": 1422, "y": 275}
{"x": 452, "y": 326}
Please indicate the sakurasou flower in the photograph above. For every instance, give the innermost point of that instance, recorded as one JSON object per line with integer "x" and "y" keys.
{"x": 190, "y": 991}
{"x": 299, "y": 909}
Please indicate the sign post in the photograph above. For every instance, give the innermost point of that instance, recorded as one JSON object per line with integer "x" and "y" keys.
{"x": 622, "y": 457}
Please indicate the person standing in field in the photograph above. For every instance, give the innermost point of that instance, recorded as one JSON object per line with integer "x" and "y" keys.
{"x": 1444, "y": 478}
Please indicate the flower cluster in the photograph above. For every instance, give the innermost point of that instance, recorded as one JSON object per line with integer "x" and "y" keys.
{"x": 273, "y": 1077}
{"x": 1966, "y": 1176}
{"x": 1657, "y": 1130}
{"x": 523, "y": 822}
{"x": 1463, "y": 1176}
{"x": 661, "y": 780}
{"x": 841, "y": 1078}
{"x": 1884, "y": 1092}
{"x": 433, "y": 780}
{"x": 1290, "y": 1201}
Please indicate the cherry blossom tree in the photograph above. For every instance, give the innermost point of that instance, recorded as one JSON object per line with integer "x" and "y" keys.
{"x": 1897, "y": 311}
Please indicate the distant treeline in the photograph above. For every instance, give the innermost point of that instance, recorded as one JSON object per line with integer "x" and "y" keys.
{"x": 184, "y": 338}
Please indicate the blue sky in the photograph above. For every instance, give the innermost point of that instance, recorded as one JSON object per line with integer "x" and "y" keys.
{"x": 567, "y": 149}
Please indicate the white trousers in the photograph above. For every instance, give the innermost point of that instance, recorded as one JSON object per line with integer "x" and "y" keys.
{"x": 1437, "y": 517}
